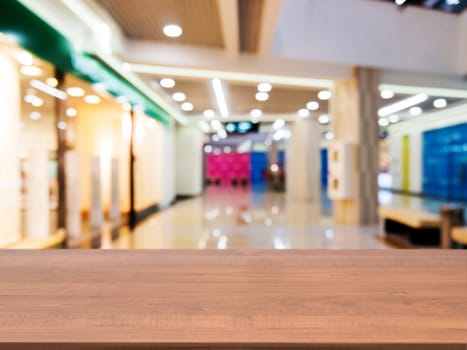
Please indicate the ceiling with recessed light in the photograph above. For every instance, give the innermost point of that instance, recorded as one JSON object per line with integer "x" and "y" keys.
{"x": 452, "y": 6}
{"x": 146, "y": 19}
{"x": 240, "y": 96}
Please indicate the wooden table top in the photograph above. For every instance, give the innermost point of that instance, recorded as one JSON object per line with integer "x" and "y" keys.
{"x": 244, "y": 298}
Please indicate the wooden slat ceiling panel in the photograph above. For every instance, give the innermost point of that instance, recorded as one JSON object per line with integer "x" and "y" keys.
{"x": 144, "y": 20}
{"x": 197, "y": 92}
{"x": 250, "y": 14}
{"x": 241, "y": 97}
{"x": 282, "y": 100}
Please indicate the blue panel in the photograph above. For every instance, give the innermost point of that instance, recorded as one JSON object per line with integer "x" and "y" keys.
{"x": 445, "y": 162}
{"x": 259, "y": 163}
{"x": 324, "y": 167}
{"x": 281, "y": 159}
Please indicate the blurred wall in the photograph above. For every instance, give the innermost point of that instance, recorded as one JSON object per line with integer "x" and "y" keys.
{"x": 9, "y": 169}
{"x": 103, "y": 130}
{"x": 189, "y": 161}
{"x": 415, "y": 129}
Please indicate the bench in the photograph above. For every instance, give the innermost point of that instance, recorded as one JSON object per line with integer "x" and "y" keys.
{"x": 459, "y": 235}
{"x": 421, "y": 227}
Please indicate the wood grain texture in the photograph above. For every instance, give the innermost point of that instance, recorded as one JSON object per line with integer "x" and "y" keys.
{"x": 144, "y": 20}
{"x": 250, "y": 18}
{"x": 233, "y": 299}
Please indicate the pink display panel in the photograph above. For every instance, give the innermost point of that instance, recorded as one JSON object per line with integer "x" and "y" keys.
{"x": 227, "y": 167}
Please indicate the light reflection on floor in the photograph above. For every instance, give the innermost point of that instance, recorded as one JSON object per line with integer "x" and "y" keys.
{"x": 226, "y": 218}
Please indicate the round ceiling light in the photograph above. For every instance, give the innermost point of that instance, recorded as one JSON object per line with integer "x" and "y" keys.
{"x": 256, "y": 113}
{"x": 71, "y": 112}
{"x": 37, "y": 102}
{"x": 31, "y": 71}
{"x": 25, "y": 58}
{"x": 167, "y": 83}
{"x": 329, "y": 135}
{"x": 394, "y": 118}
{"x": 262, "y": 96}
{"x": 187, "y": 106}
{"x": 414, "y": 111}
{"x": 312, "y": 105}
{"x": 324, "y": 95}
{"x": 324, "y": 119}
{"x": 383, "y": 122}
{"x": 264, "y": 87}
{"x": 52, "y": 82}
{"x": 303, "y": 113}
{"x": 75, "y": 91}
{"x": 92, "y": 99}
{"x": 35, "y": 115}
{"x": 172, "y": 30}
{"x": 387, "y": 94}
{"x": 440, "y": 103}
{"x": 179, "y": 97}
{"x": 278, "y": 124}
{"x": 209, "y": 114}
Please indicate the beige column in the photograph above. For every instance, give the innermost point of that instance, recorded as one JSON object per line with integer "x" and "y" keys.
{"x": 354, "y": 109}
{"x": 189, "y": 161}
{"x": 37, "y": 194}
{"x": 9, "y": 169}
{"x": 303, "y": 161}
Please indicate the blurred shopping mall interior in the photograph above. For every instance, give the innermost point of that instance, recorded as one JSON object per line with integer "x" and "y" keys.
{"x": 232, "y": 124}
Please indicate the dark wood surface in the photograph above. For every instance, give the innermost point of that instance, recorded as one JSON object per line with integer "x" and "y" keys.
{"x": 209, "y": 299}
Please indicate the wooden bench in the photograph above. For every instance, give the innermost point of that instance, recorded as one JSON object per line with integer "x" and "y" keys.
{"x": 459, "y": 235}
{"x": 422, "y": 228}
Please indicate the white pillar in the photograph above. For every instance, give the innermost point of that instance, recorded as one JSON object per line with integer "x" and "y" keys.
{"x": 73, "y": 194}
{"x": 303, "y": 163}
{"x": 96, "y": 218}
{"x": 37, "y": 194}
{"x": 168, "y": 166}
{"x": 10, "y": 205}
{"x": 189, "y": 161}
{"x": 115, "y": 191}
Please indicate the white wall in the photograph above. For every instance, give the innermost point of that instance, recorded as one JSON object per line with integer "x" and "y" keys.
{"x": 416, "y": 162}
{"x": 102, "y": 130}
{"x": 9, "y": 156}
{"x": 414, "y": 129}
{"x": 167, "y": 143}
{"x": 368, "y": 33}
{"x": 189, "y": 161}
{"x": 148, "y": 162}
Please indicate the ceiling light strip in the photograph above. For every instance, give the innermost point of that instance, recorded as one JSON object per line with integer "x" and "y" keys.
{"x": 48, "y": 89}
{"x": 230, "y": 76}
{"x": 220, "y": 97}
{"x": 432, "y": 91}
{"x": 401, "y": 105}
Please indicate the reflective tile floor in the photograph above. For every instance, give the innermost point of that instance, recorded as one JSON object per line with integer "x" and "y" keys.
{"x": 226, "y": 218}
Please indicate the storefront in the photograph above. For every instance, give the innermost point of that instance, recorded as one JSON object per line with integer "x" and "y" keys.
{"x": 82, "y": 146}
